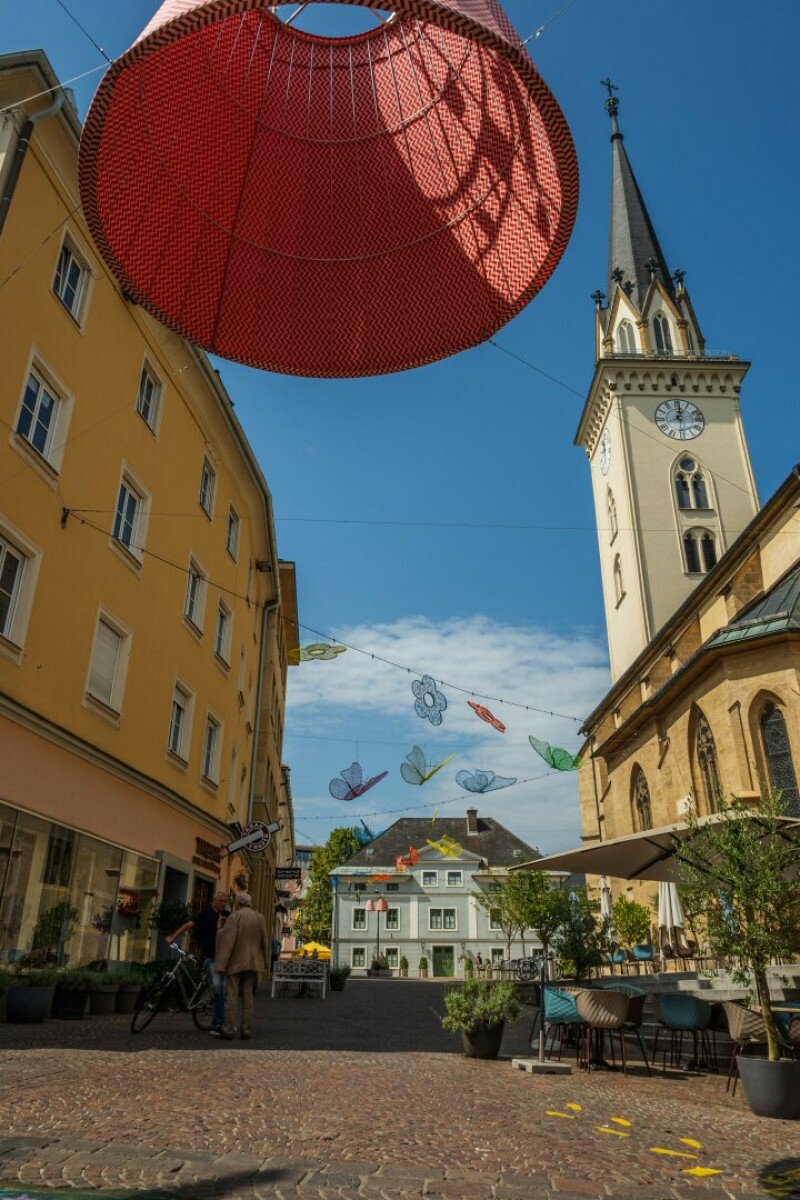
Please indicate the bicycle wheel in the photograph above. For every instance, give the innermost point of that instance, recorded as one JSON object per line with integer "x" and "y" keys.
{"x": 527, "y": 968}
{"x": 202, "y": 1006}
{"x": 148, "y": 1005}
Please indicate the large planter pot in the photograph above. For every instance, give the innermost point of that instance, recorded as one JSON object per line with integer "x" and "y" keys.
{"x": 337, "y": 985}
{"x": 423, "y": 972}
{"x": 70, "y": 1003}
{"x": 28, "y": 1005}
{"x": 772, "y": 1088}
{"x": 127, "y": 997}
{"x": 103, "y": 999}
{"x": 483, "y": 1041}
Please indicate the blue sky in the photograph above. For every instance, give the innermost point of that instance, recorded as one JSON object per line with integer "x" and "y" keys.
{"x": 709, "y": 97}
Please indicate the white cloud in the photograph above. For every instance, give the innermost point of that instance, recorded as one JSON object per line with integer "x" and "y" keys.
{"x": 359, "y": 696}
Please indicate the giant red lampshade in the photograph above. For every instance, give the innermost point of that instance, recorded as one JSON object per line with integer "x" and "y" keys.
{"x": 329, "y": 206}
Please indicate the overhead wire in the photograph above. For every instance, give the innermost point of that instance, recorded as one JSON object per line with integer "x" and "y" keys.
{"x": 65, "y": 8}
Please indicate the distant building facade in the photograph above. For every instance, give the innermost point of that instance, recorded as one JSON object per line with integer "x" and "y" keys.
{"x": 145, "y": 617}
{"x": 433, "y": 911}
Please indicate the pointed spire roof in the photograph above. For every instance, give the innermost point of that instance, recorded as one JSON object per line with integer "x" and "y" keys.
{"x": 633, "y": 247}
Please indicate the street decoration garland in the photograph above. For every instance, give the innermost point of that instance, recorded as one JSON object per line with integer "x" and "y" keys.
{"x": 481, "y": 711}
{"x": 316, "y": 652}
{"x": 350, "y": 783}
{"x": 554, "y": 756}
{"x": 448, "y": 847}
{"x": 429, "y": 702}
{"x": 417, "y": 771}
{"x": 480, "y": 782}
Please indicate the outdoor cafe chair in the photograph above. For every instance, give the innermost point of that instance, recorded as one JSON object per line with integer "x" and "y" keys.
{"x": 745, "y": 1029}
{"x": 561, "y": 1014}
{"x": 642, "y": 956}
{"x": 602, "y": 1011}
{"x": 617, "y": 958}
{"x": 679, "y": 1013}
{"x": 636, "y": 1002}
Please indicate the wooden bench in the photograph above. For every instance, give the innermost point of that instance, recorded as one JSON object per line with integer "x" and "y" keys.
{"x": 302, "y": 971}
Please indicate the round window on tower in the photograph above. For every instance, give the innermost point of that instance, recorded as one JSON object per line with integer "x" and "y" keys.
{"x": 687, "y": 464}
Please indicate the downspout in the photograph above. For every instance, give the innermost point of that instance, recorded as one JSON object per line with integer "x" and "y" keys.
{"x": 20, "y": 152}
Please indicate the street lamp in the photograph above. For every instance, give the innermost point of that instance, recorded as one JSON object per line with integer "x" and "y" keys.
{"x": 381, "y": 906}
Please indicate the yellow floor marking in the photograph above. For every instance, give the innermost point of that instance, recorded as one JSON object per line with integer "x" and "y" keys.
{"x": 671, "y": 1153}
{"x": 691, "y": 1142}
{"x": 616, "y": 1132}
{"x": 700, "y": 1171}
{"x": 552, "y": 1113}
{"x": 621, "y": 1121}
{"x": 575, "y": 1107}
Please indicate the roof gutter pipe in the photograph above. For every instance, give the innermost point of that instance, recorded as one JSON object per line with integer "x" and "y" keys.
{"x": 21, "y": 150}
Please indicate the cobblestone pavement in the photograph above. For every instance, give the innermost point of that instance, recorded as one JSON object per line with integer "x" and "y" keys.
{"x": 362, "y": 1096}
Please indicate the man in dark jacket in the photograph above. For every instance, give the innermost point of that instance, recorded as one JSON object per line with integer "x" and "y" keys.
{"x": 205, "y": 926}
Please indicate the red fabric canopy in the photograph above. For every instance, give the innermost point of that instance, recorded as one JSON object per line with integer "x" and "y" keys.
{"x": 329, "y": 206}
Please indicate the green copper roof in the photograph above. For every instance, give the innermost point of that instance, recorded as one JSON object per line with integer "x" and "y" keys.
{"x": 777, "y": 611}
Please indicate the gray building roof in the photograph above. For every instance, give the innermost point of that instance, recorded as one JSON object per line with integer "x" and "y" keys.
{"x": 632, "y": 240}
{"x": 492, "y": 841}
{"x": 777, "y": 611}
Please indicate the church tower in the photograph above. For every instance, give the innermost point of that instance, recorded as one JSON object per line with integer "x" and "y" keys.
{"x": 661, "y": 427}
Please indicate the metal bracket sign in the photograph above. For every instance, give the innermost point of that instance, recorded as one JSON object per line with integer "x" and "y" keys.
{"x": 288, "y": 873}
{"x": 255, "y": 837}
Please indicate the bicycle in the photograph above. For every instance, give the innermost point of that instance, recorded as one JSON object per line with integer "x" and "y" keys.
{"x": 196, "y": 995}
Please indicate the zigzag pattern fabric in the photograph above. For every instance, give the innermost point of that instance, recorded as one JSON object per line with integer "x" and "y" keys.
{"x": 329, "y": 207}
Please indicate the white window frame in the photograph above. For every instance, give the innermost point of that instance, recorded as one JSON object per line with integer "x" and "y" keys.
{"x": 133, "y": 555}
{"x": 212, "y": 474}
{"x": 494, "y": 926}
{"x": 114, "y": 704}
{"x": 196, "y": 619}
{"x": 626, "y": 337}
{"x": 12, "y": 640}
{"x": 209, "y": 770}
{"x": 79, "y": 312}
{"x": 396, "y": 927}
{"x": 359, "y": 908}
{"x": 442, "y": 928}
{"x": 393, "y": 952}
{"x": 358, "y": 966}
{"x": 497, "y": 955}
{"x": 232, "y": 536}
{"x": 435, "y": 875}
{"x": 460, "y": 875}
{"x": 181, "y": 753}
{"x": 222, "y": 649}
{"x": 47, "y": 462}
{"x": 153, "y": 421}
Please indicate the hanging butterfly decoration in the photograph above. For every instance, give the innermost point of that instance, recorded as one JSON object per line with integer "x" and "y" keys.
{"x": 404, "y": 861}
{"x": 554, "y": 756}
{"x": 429, "y": 702}
{"x": 378, "y": 878}
{"x": 447, "y": 846}
{"x": 316, "y": 652}
{"x": 417, "y": 771}
{"x": 488, "y": 717}
{"x": 350, "y": 783}
{"x": 434, "y": 818}
{"x": 482, "y": 781}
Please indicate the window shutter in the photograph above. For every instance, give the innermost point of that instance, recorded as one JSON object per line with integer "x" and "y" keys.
{"x": 104, "y": 663}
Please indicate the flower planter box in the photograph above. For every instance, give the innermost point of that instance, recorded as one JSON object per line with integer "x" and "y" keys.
{"x": 103, "y": 1000}
{"x": 127, "y": 997}
{"x": 70, "y": 1003}
{"x": 28, "y": 1005}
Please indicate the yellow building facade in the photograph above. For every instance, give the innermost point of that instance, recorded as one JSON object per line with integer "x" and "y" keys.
{"x": 143, "y": 633}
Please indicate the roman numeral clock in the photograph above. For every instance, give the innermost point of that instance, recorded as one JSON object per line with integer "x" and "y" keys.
{"x": 680, "y": 420}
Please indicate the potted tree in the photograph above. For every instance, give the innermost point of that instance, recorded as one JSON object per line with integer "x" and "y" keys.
{"x": 103, "y": 989}
{"x": 581, "y": 941}
{"x": 30, "y": 997}
{"x": 337, "y": 977}
{"x": 479, "y": 1009}
{"x": 742, "y": 873}
{"x": 631, "y": 922}
{"x": 422, "y": 967}
{"x": 380, "y": 967}
{"x": 403, "y": 967}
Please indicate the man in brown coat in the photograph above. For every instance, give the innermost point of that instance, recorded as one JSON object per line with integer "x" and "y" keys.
{"x": 242, "y": 955}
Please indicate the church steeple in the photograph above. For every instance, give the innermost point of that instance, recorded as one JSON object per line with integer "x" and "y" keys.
{"x": 634, "y": 254}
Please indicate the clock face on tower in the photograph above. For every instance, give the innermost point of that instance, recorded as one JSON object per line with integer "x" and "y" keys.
{"x": 680, "y": 420}
{"x": 605, "y": 451}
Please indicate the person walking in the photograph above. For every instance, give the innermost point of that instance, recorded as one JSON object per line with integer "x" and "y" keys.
{"x": 205, "y": 926}
{"x": 242, "y": 952}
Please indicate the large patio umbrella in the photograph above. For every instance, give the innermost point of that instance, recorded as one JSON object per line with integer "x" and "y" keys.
{"x": 648, "y": 855}
{"x": 670, "y": 915}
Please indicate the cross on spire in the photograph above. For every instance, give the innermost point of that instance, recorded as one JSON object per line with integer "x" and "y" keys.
{"x": 612, "y": 103}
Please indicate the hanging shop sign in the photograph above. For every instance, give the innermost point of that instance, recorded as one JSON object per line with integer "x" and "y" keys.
{"x": 207, "y": 855}
{"x": 288, "y": 873}
{"x": 255, "y": 837}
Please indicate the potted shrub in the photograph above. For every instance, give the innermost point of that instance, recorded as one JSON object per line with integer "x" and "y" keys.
{"x": 103, "y": 990}
{"x": 380, "y": 967}
{"x": 479, "y": 1009}
{"x": 130, "y": 986}
{"x": 71, "y": 999}
{"x": 337, "y": 977}
{"x": 422, "y": 967}
{"x": 30, "y": 997}
{"x": 743, "y": 877}
{"x": 404, "y": 967}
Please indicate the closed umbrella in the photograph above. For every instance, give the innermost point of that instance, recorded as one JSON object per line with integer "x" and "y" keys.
{"x": 605, "y": 897}
{"x": 670, "y": 916}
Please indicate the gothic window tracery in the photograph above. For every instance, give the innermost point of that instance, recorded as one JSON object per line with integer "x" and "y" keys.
{"x": 611, "y": 504}
{"x": 682, "y": 491}
{"x": 626, "y": 338}
{"x": 662, "y": 334}
{"x": 692, "y": 487}
{"x": 643, "y": 812}
{"x": 706, "y": 751}
{"x": 778, "y": 752}
{"x": 700, "y": 491}
{"x": 699, "y": 551}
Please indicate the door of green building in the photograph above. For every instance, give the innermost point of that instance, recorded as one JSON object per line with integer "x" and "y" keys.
{"x": 444, "y": 961}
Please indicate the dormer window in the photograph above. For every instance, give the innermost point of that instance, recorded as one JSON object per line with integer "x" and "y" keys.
{"x": 662, "y": 334}
{"x": 626, "y": 338}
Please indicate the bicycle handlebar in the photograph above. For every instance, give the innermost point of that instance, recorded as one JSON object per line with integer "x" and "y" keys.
{"x": 183, "y": 953}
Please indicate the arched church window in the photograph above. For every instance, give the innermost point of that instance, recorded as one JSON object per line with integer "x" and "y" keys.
{"x": 682, "y": 491}
{"x": 618, "y": 587}
{"x": 662, "y": 334}
{"x": 709, "y": 548}
{"x": 612, "y": 514}
{"x": 700, "y": 491}
{"x": 691, "y": 553}
{"x": 643, "y": 813}
{"x": 706, "y": 751}
{"x": 626, "y": 337}
{"x": 778, "y": 753}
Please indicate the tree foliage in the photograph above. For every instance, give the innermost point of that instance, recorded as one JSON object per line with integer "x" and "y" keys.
{"x": 581, "y": 939}
{"x": 314, "y": 919}
{"x": 539, "y": 903}
{"x": 502, "y": 910}
{"x": 743, "y": 876}
{"x": 631, "y": 922}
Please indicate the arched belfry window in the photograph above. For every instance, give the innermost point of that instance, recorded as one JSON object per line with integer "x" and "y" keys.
{"x": 642, "y": 809}
{"x": 611, "y": 505}
{"x": 699, "y": 491}
{"x": 626, "y": 338}
{"x": 706, "y": 751}
{"x": 691, "y": 484}
{"x": 708, "y": 547}
{"x": 618, "y": 586}
{"x": 662, "y": 334}
{"x": 699, "y": 551}
{"x": 778, "y": 753}
{"x": 683, "y": 491}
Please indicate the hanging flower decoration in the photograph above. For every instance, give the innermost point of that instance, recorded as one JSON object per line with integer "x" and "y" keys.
{"x": 482, "y": 781}
{"x": 350, "y": 783}
{"x": 316, "y": 652}
{"x": 488, "y": 717}
{"x": 404, "y": 861}
{"x": 417, "y": 771}
{"x": 554, "y": 756}
{"x": 429, "y": 703}
{"x": 448, "y": 847}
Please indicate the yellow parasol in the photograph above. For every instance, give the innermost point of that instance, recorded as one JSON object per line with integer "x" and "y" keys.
{"x": 323, "y": 952}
